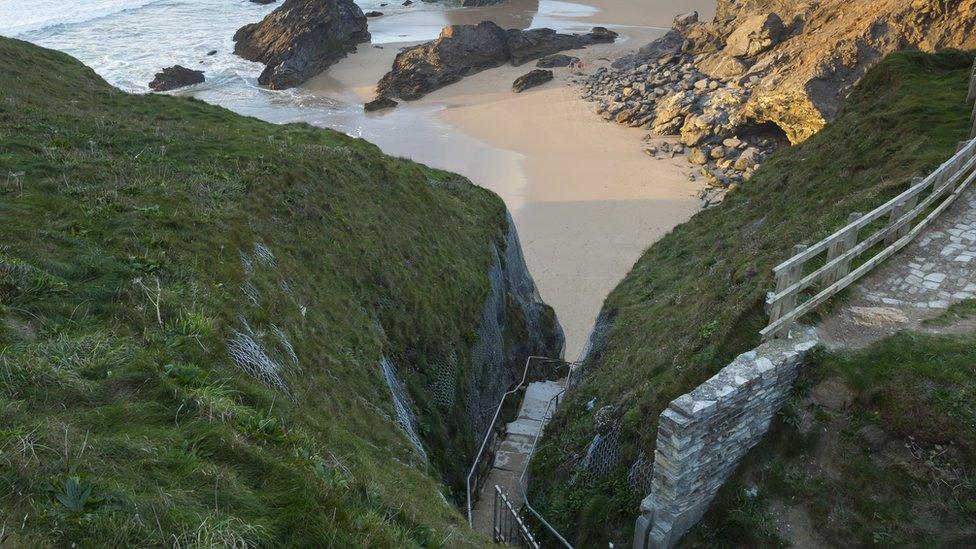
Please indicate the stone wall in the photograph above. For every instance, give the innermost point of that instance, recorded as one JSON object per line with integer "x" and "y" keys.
{"x": 704, "y": 434}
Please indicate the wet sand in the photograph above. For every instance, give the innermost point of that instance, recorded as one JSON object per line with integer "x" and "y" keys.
{"x": 586, "y": 200}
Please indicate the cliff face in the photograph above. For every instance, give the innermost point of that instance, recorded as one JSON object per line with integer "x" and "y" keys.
{"x": 804, "y": 57}
{"x": 256, "y": 334}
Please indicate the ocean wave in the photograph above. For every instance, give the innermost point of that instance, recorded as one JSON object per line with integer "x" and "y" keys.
{"x": 18, "y": 17}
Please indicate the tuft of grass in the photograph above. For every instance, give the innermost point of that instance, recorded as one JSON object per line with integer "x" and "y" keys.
{"x": 139, "y": 234}
{"x": 694, "y": 300}
{"x": 959, "y": 311}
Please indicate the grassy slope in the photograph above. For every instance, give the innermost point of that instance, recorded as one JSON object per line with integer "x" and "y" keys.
{"x": 694, "y": 299}
{"x": 107, "y": 194}
{"x": 897, "y": 468}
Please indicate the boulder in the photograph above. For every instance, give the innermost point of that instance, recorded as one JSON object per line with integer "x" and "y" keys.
{"x": 263, "y": 2}
{"x": 175, "y": 77}
{"x": 526, "y": 45}
{"x": 460, "y": 50}
{"x": 748, "y": 159}
{"x": 698, "y": 156}
{"x": 531, "y": 79}
{"x": 373, "y": 14}
{"x": 379, "y": 103}
{"x": 300, "y": 39}
{"x": 755, "y": 35}
{"x": 557, "y": 60}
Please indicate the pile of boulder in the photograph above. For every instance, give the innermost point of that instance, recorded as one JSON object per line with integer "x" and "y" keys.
{"x": 669, "y": 96}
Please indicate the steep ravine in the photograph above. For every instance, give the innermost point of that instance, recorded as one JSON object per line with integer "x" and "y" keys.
{"x": 219, "y": 331}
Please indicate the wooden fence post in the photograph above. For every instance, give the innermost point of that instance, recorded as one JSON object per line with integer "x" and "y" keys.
{"x": 971, "y": 95}
{"x": 838, "y": 248}
{"x": 972, "y": 118}
{"x": 899, "y": 210}
{"x": 784, "y": 280}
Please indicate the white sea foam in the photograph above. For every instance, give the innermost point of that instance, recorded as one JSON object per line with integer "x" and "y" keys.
{"x": 18, "y": 17}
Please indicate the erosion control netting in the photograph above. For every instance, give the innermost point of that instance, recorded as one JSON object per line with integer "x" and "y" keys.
{"x": 265, "y": 353}
{"x": 247, "y": 353}
{"x": 602, "y": 456}
{"x": 489, "y": 378}
{"x": 401, "y": 406}
{"x": 495, "y": 368}
{"x": 444, "y": 387}
{"x": 641, "y": 473}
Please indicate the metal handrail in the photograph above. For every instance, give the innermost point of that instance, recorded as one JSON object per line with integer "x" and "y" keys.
{"x": 491, "y": 427}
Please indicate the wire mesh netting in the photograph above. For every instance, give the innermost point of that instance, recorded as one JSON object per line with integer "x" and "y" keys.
{"x": 602, "y": 456}
{"x": 248, "y": 354}
{"x": 489, "y": 378}
{"x": 444, "y": 387}
{"x": 641, "y": 473}
{"x": 401, "y": 406}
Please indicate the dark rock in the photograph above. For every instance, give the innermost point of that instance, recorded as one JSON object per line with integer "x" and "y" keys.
{"x": 175, "y": 77}
{"x": 212, "y": 52}
{"x": 301, "y": 38}
{"x": 263, "y": 2}
{"x": 460, "y": 50}
{"x": 407, "y": 2}
{"x": 557, "y": 60}
{"x": 374, "y": 13}
{"x": 534, "y": 43}
{"x": 531, "y": 79}
{"x": 379, "y": 103}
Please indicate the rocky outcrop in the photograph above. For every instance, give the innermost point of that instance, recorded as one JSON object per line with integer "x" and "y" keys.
{"x": 557, "y": 60}
{"x": 461, "y": 50}
{"x": 300, "y": 39}
{"x": 535, "y": 43}
{"x": 175, "y": 77}
{"x": 531, "y": 79}
{"x": 765, "y": 72}
{"x": 379, "y": 103}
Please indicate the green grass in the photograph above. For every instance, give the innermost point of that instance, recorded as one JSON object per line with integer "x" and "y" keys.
{"x": 962, "y": 310}
{"x": 912, "y": 484}
{"x": 130, "y": 249}
{"x": 694, "y": 300}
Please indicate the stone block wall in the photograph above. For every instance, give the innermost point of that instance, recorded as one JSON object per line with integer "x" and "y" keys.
{"x": 703, "y": 435}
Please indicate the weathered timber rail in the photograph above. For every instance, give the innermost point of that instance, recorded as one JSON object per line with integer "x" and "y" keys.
{"x": 944, "y": 185}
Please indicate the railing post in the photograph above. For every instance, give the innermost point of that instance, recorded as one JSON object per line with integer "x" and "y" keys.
{"x": 838, "y": 249}
{"x": 971, "y": 95}
{"x": 784, "y": 280}
{"x": 897, "y": 212}
{"x": 972, "y": 132}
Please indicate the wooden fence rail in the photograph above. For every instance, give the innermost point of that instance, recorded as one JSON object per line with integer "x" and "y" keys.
{"x": 946, "y": 184}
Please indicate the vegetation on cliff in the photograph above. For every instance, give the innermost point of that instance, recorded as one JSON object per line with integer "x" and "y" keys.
{"x": 889, "y": 458}
{"x": 140, "y": 237}
{"x": 694, "y": 300}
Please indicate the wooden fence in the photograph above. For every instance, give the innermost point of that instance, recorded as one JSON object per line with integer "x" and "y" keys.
{"x": 843, "y": 247}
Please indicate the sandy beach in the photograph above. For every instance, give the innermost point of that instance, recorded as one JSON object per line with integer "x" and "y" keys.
{"x": 586, "y": 199}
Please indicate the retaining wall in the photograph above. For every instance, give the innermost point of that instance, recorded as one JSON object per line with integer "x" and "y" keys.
{"x": 704, "y": 434}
